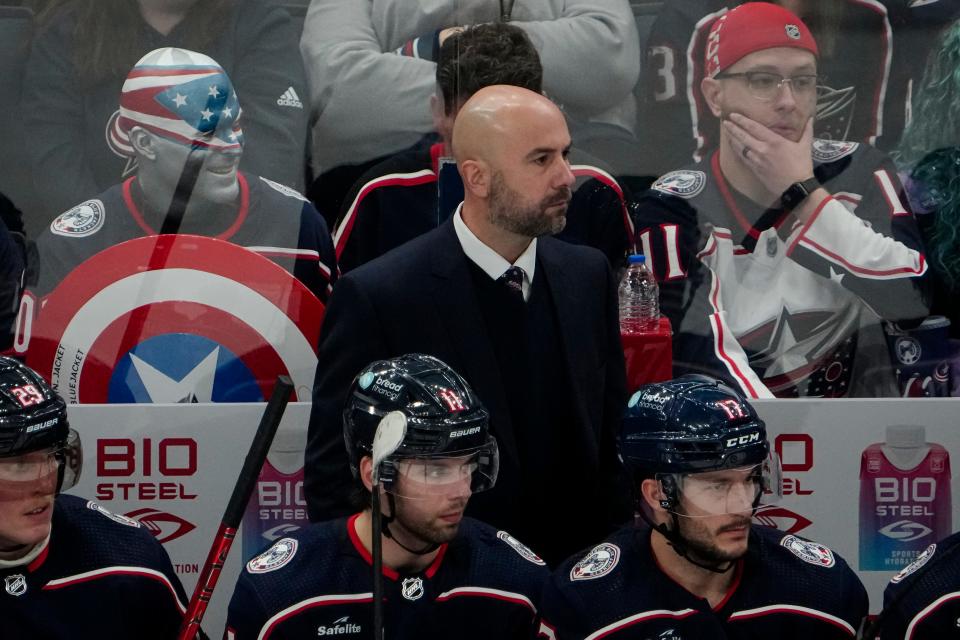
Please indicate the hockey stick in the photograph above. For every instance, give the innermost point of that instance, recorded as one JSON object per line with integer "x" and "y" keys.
{"x": 869, "y": 630}
{"x": 390, "y": 432}
{"x": 235, "y": 508}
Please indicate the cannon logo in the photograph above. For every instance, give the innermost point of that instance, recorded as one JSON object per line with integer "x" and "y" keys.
{"x": 174, "y": 319}
{"x": 165, "y": 527}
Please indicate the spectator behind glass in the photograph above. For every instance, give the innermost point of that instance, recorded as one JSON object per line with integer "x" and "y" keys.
{"x": 929, "y": 160}
{"x": 79, "y": 61}
{"x": 181, "y": 122}
{"x": 779, "y": 254}
{"x": 417, "y": 190}
{"x": 868, "y": 53}
{"x": 371, "y": 64}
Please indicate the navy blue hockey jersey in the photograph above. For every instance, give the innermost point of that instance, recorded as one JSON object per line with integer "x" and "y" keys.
{"x": 318, "y": 582}
{"x": 775, "y": 307}
{"x": 412, "y": 193}
{"x": 923, "y": 602}
{"x": 785, "y": 588}
{"x": 100, "y": 575}
{"x": 270, "y": 219}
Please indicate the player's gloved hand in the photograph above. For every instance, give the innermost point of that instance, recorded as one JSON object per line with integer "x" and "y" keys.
{"x": 777, "y": 162}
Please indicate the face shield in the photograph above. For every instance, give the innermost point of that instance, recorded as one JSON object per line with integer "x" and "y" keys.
{"x": 451, "y": 472}
{"x": 724, "y": 491}
{"x": 59, "y": 466}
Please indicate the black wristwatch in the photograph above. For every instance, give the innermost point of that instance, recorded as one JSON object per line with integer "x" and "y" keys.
{"x": 798, "y": 192}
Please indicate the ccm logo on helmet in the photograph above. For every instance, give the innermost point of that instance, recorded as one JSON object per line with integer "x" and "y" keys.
{"x": 464, "y": 432}
{"x": 742, "y": 440}
{"x": 42, "y": 425}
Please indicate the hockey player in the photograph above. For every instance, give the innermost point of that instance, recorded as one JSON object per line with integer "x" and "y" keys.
{"x": 446, "y": 575}
{"x": 701, "y": 464}
{"x": 416, "y": 190}
{"x": 780, "y": 253}
{"x": 922, "y": 602}
{"x": 70, "y": 568}
{"x": 180, "y": 122}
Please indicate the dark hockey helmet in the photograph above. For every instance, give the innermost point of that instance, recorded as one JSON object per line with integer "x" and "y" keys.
{"x": 33, "y": 417}
{"x": 689, "y": 425}
{"x": 445, "y": 419}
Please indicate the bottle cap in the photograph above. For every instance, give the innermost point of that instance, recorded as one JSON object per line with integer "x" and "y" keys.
{"x": 637, "y": 258}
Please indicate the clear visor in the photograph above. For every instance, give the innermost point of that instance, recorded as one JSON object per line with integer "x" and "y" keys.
{"x": 464, "y": 474}
{"x": 22, "y": 474}
{"x": 728, "y": 491}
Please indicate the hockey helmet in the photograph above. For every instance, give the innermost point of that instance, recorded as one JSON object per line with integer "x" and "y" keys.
{"x": 33, "y": 418}
{"x": 180, "y": 95}
{"x": 445, "y": 420}
{"x": 694, "y": 425}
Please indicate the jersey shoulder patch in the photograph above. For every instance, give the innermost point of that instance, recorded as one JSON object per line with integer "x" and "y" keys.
{"x": 921, "y": 560}
{"x": 810, "y": 552}
{"x": 275, "y": 557}
{"x": 525, "y": 552}
{"x": 99, "y": 508}
{"x": 685, "y": 183}
{"x": 284, "y": 189}
{"x": 83, "y": 220}
{"x": 830, "y": 150}
{"x": 600, "y": 561}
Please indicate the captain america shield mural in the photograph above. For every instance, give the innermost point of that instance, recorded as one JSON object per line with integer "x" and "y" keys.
{"x": 175, "y": 319}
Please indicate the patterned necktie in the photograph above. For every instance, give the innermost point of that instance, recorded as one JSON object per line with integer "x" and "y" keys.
{"x": 513, "y": 279}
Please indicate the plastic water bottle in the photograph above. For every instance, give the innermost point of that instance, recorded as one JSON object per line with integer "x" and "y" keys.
{"x": 639, "y": 298}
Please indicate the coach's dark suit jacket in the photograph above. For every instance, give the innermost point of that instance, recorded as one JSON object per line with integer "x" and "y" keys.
{"x": 420, "y": 298}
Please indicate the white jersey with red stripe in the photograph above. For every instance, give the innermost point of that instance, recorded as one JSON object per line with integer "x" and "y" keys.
{"x": 268, "y": 218}
{"x": 774, "y": 306}
{"x": 99, "y": 575}
{"x": 785, "y": 587}
{"x": 319, "y": 581}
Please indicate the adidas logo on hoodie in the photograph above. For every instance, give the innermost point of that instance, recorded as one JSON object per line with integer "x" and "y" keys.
{"x": 290, "y": 99}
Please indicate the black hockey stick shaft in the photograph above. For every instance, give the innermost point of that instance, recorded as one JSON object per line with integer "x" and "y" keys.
{"x": 235, "y": 508}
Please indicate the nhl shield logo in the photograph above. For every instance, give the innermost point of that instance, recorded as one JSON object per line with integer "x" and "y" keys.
{"x": 175, "y": 319}
{"x": 15, "y": 585}
{"x": 599, "y": 562}
{"x": 412, "y": 588}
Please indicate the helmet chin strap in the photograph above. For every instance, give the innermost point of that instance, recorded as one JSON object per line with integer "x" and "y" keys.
{"x": 680, "y": 546}
{"x": 386, "y": 519}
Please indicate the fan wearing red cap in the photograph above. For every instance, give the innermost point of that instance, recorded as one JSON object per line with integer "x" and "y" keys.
{"x": 780, "y": 253}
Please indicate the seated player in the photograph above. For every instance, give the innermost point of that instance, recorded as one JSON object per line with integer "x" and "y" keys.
{"x": 922, "y": 602}
{"x": 70, "y": 568}
{"x": 180, "y": 119}
{"x": 697, "y": 569}
{"x": 780, "y": 254}
{"x": 445, "y": 575}
{"x": 417, "y": 190}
